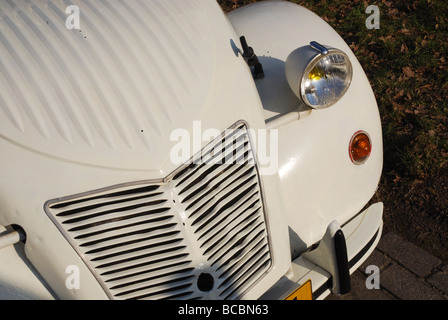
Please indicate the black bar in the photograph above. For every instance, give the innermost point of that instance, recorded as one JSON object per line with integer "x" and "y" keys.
{"x": 342, "y": 262}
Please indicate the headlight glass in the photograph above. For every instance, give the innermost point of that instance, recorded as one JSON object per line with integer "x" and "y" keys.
{"x": 326, "y": 79}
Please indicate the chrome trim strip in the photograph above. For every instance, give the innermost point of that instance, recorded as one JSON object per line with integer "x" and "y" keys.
{"x": 317, "y": 46}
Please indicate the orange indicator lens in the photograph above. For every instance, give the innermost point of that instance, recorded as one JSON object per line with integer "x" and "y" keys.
{"x": 360, "y": 147}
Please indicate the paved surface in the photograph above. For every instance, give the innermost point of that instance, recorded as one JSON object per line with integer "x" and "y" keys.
{"x": 406, "y": 273}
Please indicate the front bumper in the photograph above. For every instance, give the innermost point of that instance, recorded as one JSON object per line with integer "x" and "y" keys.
{"x": 323, "y": 265}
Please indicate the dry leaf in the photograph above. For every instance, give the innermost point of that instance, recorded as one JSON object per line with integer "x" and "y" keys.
{"x": 388, "y": 3}
{"x": 399, "y": 94}
{"x": 397, "y": 106}
{"x": 404, "y": 30}
{"x": 407, "y": 71}
{"x": 385, "y": 39}
{"x": 393, "y": 12}
{"x": 404, "y": 48}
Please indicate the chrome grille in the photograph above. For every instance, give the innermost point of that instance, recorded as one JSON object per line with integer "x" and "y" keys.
{"x": 199, "y": 234}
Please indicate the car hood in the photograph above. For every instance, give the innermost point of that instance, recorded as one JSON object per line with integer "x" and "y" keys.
{"x": 111, "y": 93}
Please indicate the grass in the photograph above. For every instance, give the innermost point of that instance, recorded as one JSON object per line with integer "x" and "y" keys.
{"x": 406, "y": 61}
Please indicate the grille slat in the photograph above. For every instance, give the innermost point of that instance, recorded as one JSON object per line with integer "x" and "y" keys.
{"x": 217, "y": 153}
{"x": 256, "y": 244}
{"x": 225, "y": 194}
{"x": 130, "y": 245}
{"x": 162, "y": 288}
{"x": 95, "y": 214}
{"x": 148, "y": 279}
{"x": 100, "y": 205}
{"x": 154, "y": 239}
{"x": 235, "y": 201}
{"x": 228, "y": 232}
{"x": 209, "y": 168}
{"x": 214, "y": 186}
{"x": 105, "y": 197}
{"x": 227, "y": 222}
{"x": 135, "y": 260}
{"x": 152, "y": 272}
{"x": 136, "y": 256}
{"x": 203, "y": 176}
{"x": 117, "y": 216}
{"x": 211, "y": 183}
{"x": 255, "y": 258}
{"x": 237, "y": 241}
{"x": 116, "y": 228}
{"x": 241, "y": 283}
{"x": 164, "y": 262}
{"x": 134, "y": 232}
{"x": 184, "y": 291}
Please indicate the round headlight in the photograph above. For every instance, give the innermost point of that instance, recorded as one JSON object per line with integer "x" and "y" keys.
{"x": 323, "y": 79}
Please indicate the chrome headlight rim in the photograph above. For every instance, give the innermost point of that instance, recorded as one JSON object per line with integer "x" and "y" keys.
{"x": 322, "y": 53}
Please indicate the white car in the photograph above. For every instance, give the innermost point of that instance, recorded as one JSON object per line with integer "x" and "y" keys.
{"x": 165, "y": 150}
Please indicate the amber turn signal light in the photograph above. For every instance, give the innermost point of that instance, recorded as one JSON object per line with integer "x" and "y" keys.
{"x": 360, "y": 147}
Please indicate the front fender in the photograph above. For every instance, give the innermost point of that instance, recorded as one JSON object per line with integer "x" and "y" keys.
{"x": 318, "y": 180}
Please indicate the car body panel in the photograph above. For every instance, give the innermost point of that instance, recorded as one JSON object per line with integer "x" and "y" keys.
{"x": 94, "y": 108}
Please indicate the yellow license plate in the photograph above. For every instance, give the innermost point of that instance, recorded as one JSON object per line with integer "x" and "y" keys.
{"x": 304, "y": 292}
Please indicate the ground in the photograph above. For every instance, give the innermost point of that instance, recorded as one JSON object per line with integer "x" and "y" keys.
{"x": 406, "y": 63}
{"x": 418, "y": 210}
